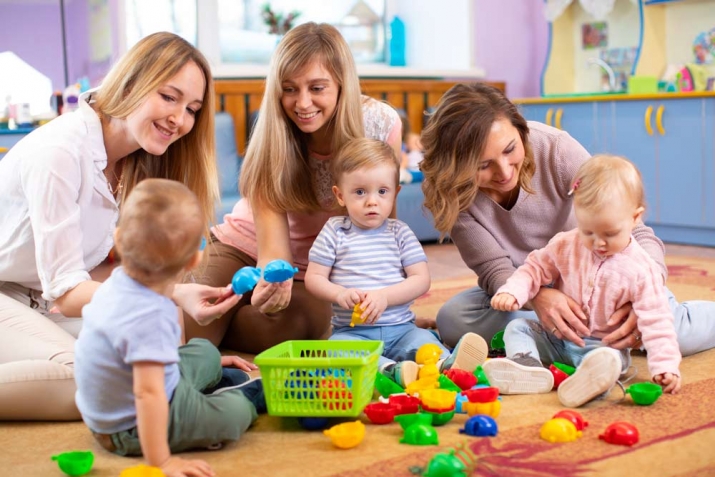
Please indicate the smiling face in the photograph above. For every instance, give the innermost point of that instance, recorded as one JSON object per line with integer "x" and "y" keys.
{"x": 368, "y": 194}
{"x": 309, "y": 99}
{"x": 503, "y": 156}
{"x": 607, "y": 231}
{"x": 168, "y": 113}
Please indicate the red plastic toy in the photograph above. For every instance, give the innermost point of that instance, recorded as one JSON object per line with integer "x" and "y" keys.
{"x": 405, "y": 404}
{"x": 380, "y": 412}
{"x": 462, "y": 378}
{"x": 559, "y": 376}
{"x": 574, "y": 417}
{"x": 334, "y": 394}
{"x": 621, "y": 433}
{"x": 482, "y": 394}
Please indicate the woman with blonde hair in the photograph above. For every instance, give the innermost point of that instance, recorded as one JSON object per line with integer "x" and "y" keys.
{"x": 61, "y": 190}
{"x": 498, "y": 185}
{"x": 312, "y": 105}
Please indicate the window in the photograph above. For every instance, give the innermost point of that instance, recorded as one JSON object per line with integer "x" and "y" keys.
{"x": 144, "y": 18}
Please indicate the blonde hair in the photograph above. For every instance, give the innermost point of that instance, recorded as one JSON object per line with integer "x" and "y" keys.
{"x": 363, "y": 153}
{"x": 276, "y": 172}
{"x": 190, "y": 160}
{"x": 454, "y": 141}
{"x": 605, "y": 180}
{"x": 159, "y": 230}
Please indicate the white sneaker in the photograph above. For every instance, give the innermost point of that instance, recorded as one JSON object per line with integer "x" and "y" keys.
{"x": 514, "y": 378}
{"x": 597, "y": 374}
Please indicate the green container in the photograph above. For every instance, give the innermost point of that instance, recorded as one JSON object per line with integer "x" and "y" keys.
{"x": 644, "y": 394}
{"x": 319, "y": 378}
{"x": 75, "y": 463}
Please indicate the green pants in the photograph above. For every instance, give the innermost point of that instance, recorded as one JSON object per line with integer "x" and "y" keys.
{"x": 197, "y": 420}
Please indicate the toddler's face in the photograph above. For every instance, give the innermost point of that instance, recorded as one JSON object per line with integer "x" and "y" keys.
{"x": 368, "y": 194}
{"x": 607, "y": 231}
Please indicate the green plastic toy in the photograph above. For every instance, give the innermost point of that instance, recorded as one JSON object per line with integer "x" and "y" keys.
{"x": 497, "y": 341}
{"x": 565, "y": 368}
{"x": 386, "y": 386}
{"x": 440, "y": 418}
{"x": 481, "y": 377}
{"x": 448, "y": 384}
{"x": 75, "y": 463}
{"x": 644, "y": 394}
{"x": 406, "y": 420}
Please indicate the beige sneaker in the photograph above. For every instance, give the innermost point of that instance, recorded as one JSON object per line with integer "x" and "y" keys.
{"x": 514, "y": 378}
{"x": 470, "y": 352}
{"x": 597, "y": 374}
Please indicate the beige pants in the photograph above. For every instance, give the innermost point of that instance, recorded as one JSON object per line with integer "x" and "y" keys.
{"x": 36, "y": 358}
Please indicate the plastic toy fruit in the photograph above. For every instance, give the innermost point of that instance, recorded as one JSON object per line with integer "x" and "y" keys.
{"x": 462, "y": 378}
{"x": 482, "y": 395}
{"x": 142, "y": 471}
{"x": 346, "y": 435}
{"x": 428, "y": 354}
{"x": 575, "y": 417}
{"x": 356, "y": 317}
{"x": 644, "y": 394}
{"x": 621, "y": 433}
{"x": 245, "y": 279}
{"x": 405, "y": 404}
{"x": 277, "y": 271}
{"x": 559, "y": 376}
{"x": 559, "y": 430}
{"x": 75, "y": 462}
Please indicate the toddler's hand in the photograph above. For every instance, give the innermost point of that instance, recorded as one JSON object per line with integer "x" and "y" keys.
{"x": 374, "y": 305}
{"x": 237, "y": 362}
{"x": 178, "y": 467}
{"x": 349, "y": 297}
{"x": 669, "y": 381}
{"x": 504, "y": 302}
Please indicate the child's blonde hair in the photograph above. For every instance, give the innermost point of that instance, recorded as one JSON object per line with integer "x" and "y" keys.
{"x": 159, "y": 230}
{"x": 150, "y": 63}
{"x": 276, "y": 172}
{"x": 604, "y": 180}
{"x": 363, "y": 153}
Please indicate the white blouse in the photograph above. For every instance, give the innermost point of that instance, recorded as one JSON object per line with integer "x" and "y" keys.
{"x": 57, "y": 214}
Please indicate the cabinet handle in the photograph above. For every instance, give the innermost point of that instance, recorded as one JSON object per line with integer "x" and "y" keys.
{"x": 659, "y": 119}
{"x": 549, "y": 115}
{"x": 3, "y": 150}
{"x": 559, "y": 113}
{"x": 646, "y": 120}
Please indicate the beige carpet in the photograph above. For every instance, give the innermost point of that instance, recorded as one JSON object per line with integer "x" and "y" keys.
{"x": 677, "y": 434}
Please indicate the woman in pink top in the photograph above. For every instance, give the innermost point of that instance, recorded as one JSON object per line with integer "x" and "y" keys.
{"x": 498, "y": 185}
{"x": 602, "y": 268}
{"x": 312, "y": 105}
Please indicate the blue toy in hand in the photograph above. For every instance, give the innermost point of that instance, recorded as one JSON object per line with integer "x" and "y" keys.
{"x": 245, "y": 279}
{"x": 277, "y": 271}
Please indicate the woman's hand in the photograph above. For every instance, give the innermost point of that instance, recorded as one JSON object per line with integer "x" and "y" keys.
{"x": 671, "y": 382}
{"x": 627, "y": 335}
{"x": 232, "y": 361}
{"x": 178, "y": 467}
{"x": 561, "y": 315}
{"x": 272, "y": 297}
{"x": 204, "y": 303}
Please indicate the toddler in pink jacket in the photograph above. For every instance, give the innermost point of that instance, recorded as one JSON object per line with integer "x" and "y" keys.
{"x": 602, "y": 268}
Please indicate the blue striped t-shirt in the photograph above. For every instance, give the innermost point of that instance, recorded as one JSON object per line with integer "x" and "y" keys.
{"x": 368, "y": 260}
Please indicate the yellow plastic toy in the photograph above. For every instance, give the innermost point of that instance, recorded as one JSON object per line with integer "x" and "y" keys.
{"x": 487, "y": 408}
{"x": 416, "y": 387}
{"x": 438, "y": 398}
{"x": 559, "y": 430}
{"x": 428, "y": 371}
{"x": 346, "y": 435}
{"x": 142, "y": 471}
{"x": 428, "y": 354}
{"x": 356, "y": 318}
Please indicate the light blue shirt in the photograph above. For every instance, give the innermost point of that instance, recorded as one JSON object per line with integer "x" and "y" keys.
{"x": 124, "y": 323}
{"x": 368, "y": 260}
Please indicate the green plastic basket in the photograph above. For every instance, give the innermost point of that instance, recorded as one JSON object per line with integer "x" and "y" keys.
{"x": 319, "y": 378}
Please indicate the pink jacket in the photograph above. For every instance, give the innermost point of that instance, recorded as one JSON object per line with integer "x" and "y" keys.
{"x": 601, "y": 286}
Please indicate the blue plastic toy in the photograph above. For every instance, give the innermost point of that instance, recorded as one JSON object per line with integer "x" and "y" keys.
{"x": 277, "y": 271}
{"x": 480, "y": 426}
{"x": 245, "y": 279}
{"x": 313, "y": 423}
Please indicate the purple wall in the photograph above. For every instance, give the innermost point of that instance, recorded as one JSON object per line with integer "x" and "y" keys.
{"x": 511, "y": 43}
{"x": 33, "y": 32}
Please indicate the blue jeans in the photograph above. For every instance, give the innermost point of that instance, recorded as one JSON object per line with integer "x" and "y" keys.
{"x": 528, "y": 336}
{"x": 470, "y": 310}
{"x": 401, "y": 342}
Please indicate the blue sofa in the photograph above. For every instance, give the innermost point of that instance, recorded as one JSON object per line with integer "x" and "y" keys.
{"x": 409, "y": 200}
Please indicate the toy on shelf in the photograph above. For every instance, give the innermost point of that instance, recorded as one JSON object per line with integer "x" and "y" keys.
{"x": 621, "y": 433}
{"x": 142, "y": 470}
{"x": 574, "y": 416}
{"x": 277, "y": 271}
{"x": 480, "y": 426}
{"x": 245, "y": 279}
{"x": 380, "y": 412}
{"x": 356, "y": 317}
{"x": 644, "y": 394}
{"x": 346, "y": 435}
{"x": 75, "y": 462}
{"x": 559, "y": 430}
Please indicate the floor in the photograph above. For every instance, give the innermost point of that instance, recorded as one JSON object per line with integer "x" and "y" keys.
{"x": 445, "y": 262}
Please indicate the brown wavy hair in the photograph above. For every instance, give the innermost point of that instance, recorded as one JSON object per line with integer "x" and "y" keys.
{"x": 454, "y": 141}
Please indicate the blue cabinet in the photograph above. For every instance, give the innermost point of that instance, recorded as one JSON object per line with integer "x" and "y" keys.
{"x": 9, "y": 138}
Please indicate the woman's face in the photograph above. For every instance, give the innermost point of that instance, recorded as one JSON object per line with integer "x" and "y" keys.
{"x": 503, "y": 157}
{"x": 168, "y": 113}
{"x": 310, "y": 98}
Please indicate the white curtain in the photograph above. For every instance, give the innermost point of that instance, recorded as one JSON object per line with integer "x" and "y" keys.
{"x": 598, "y": 9}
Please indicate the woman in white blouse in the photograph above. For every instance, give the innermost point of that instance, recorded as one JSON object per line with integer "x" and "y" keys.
{"x": 60, "y": 193}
